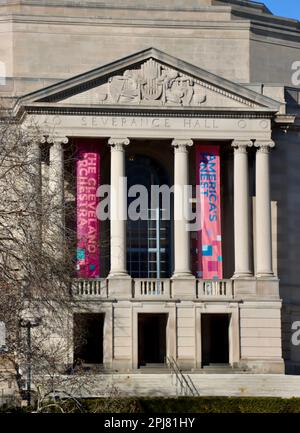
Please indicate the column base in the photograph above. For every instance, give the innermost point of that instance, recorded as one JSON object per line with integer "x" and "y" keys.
{"x": 118, "y": 274}
{"x": 183, "y": 286}
{"x": 244, "y": 286}
{"x": 242, "y": 275}
{"x": 269, "y": 275}
{"x": 182, "y": 275}
{"x": 268, "y": 287}
{"x": 120, "y": 286}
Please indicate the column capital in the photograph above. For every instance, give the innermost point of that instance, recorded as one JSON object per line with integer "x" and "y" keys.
{"x": 55, "y": 139}
{"x": 32, "y": 134}
{"x": 240, "y": 146}
{"x": 181, "y": 144}
{"x": 264, "y": 146}
{"x": 118, "y": 143}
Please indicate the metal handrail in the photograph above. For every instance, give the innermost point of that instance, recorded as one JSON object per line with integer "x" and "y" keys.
{"x": 196, "y": 392}
{"x": 187, "y": 385}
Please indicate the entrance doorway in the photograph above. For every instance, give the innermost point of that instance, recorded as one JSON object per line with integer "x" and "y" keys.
{"x": 88, "y": 338}
{"x": 152, "y": 345}
{"x": 215, "y": 338}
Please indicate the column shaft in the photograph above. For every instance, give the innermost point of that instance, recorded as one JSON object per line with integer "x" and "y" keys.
{"x": 34, "y": 188}
{"x": 56, "y": 190}
{"x": 118, "y": 200}
{"x": 181, "y": 234}
{"x": 263, "y": 211}
{"x": 241, "y": 210}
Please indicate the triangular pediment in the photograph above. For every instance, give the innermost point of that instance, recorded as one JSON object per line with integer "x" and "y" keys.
{"x": 151, "y": 79}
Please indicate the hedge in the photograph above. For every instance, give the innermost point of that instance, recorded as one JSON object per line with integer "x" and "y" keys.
{"x": 195, "y": 405}
{"x": 184, "y": 405}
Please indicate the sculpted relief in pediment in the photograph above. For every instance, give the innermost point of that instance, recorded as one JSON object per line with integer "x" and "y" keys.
{"x": 151, "y": 84}
{"x": 154, "y": 84}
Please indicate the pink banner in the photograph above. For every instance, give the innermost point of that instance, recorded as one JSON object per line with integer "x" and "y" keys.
{"x": 209, "y": 239}
{"x": 88, "y": 225}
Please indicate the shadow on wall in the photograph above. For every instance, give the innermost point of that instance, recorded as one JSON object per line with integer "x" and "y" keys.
{"x": 2, "y": 74}
{"x": 285, "y": 182}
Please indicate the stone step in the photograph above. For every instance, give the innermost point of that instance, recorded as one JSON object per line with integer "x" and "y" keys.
{"x": 217, "y": 368}
{"x": 154, "y": 368}
{"x": 164, "y": 384}
{"x": 210, "y": 385}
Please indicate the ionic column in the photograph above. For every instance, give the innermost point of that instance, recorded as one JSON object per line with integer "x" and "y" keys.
{"x": 32, "y": 203}
{"x": 118, "y": 200}
{"x": 241, "y": 209}
{"x": 181, "y": 234}
{"x": 263, "y": 210}
{"x": 56, "y": 188}
{"x": 34, "y": 182}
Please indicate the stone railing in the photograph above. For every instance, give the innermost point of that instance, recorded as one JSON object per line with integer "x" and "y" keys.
{"x": 215, "y": 288}
{"x": 151, "y": 287}
{"x": 93, "y": 287}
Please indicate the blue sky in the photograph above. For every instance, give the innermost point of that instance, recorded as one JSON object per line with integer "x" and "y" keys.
{"x": 284, "y": 8}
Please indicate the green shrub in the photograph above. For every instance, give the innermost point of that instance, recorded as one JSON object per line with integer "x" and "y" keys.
{"x": 193, "y": 405}
{"x": 180, "y": 405}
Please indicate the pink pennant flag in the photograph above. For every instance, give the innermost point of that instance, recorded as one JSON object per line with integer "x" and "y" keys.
{"x": 88, "y": 225}
{"x": 209, "y": 238}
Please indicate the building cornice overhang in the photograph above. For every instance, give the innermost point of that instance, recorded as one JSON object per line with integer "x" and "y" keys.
{"x": 285, "y": 119}
{"x": 285, "y": 122}
{"x": 128, "y": 110}
{"x": 281, "y": 33}
{"x": 268, "y": 20}
{"x": 257, "y": 6}
{"x": 278, "y": 29}
{"x": 28, "y": 11}
{"x": 258, "y": 14}
{"x": 126, "y": 22}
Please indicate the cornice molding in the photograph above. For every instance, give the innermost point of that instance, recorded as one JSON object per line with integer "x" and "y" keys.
{"x": 121, "y": 111}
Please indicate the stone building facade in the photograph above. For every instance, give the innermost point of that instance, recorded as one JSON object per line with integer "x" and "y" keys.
{"x": 146, "y": 83}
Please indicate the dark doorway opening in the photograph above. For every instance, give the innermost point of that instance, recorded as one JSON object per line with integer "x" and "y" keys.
{"x": 215, "y": 338}
{"x": 152, "y": 345}
{"x": 88, "y": 338}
